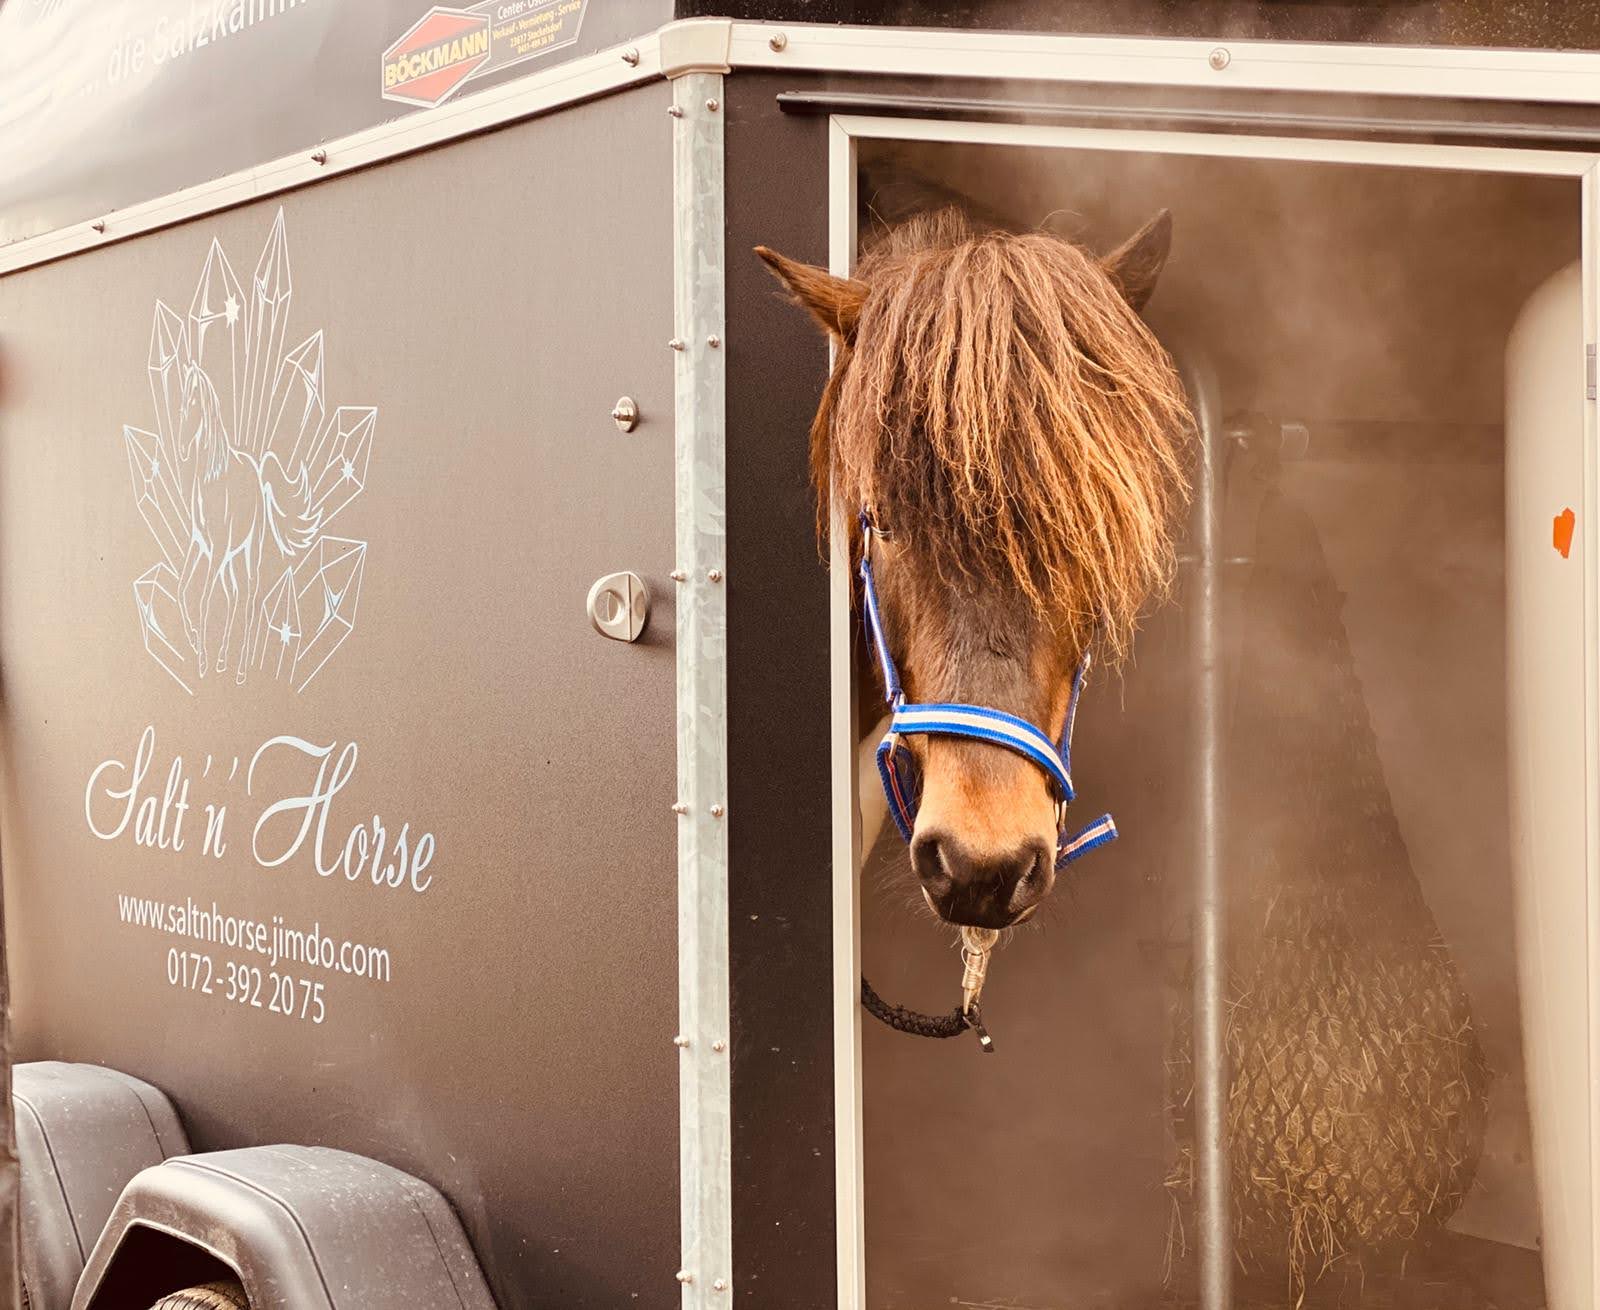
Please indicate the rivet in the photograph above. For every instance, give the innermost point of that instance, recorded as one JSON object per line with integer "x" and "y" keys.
{"x": 720, "y": 1285}
{"x": 630, "y": 56}
{"x": 713, "y": 105}
{"x": 716, "y": 811}
{"x": 319, "y": 156}
{"x": 777, "y": 41}
{"x": 678, "y": 807}
{"x": 625, "y": 413}
{"x": 99, "y": 225}
{"x": 678, "y": 575}
{"x": 714, "y": 574}
{"x": 719, "y": 1046}
{"x": 676, "y": 343}
{"x": 684, "y": 1277}
{"x": 681, "y": 1042}
{"x": 713, "y": 341}
{"x": 675, "y": 110}
{"x": 1219, "y": 59}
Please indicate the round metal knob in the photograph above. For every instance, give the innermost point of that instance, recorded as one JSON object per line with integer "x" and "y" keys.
{"x": 619, "y": 606}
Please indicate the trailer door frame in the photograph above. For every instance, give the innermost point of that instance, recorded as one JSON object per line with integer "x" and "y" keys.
{"x": 845, "y": 131}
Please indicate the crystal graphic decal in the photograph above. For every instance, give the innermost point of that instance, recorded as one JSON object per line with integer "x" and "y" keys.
{"x": 239, "y": 483}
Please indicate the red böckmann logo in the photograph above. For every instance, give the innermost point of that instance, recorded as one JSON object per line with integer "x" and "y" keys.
{"x": 441, "y": 51}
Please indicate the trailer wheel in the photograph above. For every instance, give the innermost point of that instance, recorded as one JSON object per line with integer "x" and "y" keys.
{"x": 213, "y": 1296}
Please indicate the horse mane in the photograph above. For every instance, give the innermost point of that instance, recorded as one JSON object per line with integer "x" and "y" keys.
{"x": 1002, "y": 406}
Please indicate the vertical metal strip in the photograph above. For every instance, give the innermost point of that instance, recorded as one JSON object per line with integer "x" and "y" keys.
{"x": 848, "y": 1195}
{"x": 704, "y": 1092}
{"x": 1210, "y": 900}
{"x": 1590, "y": 538}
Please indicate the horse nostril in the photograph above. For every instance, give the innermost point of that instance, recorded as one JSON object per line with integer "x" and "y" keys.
{"x": 928, "y": 861}
{"x": 1037, "y": 877}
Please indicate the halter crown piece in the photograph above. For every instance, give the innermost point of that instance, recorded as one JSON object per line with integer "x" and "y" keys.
{"x": 897, "y": 766}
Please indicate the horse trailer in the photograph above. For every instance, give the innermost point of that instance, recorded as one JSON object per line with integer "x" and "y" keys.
{"x": 441, "y": 840}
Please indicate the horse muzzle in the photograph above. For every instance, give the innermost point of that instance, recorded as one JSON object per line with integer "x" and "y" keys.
{"x": 981, "y": 891}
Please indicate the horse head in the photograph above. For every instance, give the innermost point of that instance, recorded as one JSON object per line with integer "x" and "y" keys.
{"x": 1016, "y": 439}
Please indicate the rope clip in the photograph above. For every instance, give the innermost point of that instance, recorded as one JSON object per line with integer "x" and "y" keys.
{"x": 976, "y": 944}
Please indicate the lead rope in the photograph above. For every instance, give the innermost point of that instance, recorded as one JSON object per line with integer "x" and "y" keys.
{"x": 976, "y": 944}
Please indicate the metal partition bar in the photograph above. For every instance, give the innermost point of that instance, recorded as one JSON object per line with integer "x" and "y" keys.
{"x": 1210, "y": 905}
{"x": 704, "y": 1088}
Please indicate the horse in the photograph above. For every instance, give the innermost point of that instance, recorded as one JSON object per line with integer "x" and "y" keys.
{"x": 1017, "y": 444}
{"x": 236, "y": 503}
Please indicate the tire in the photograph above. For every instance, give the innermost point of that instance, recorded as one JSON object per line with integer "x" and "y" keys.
{"x": 213, "y": 1296}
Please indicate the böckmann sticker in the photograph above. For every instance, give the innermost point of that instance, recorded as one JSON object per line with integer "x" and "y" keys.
{"x": 447, "y": 48}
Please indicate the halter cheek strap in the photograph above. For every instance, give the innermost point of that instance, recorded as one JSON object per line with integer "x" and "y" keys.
{"x": 897, "y": 767}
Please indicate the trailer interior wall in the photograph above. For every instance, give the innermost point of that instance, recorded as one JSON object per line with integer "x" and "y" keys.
{"x": 1360, "y": 315}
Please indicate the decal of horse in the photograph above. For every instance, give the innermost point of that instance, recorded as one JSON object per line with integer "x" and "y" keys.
{"x": 244, "y": 471}
{"x": 1017, "y": 441}
{"x": 240, "y": 506}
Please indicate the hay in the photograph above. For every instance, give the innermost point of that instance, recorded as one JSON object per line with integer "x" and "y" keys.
{"x": 1356, "y": 1105}
{"x": 1357, "y": 1096}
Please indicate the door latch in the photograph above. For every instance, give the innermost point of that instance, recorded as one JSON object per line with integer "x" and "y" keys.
{"x": 619, "y": 606}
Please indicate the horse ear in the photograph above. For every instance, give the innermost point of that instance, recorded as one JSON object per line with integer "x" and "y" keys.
{"x": 1136, "y": 264}
{"x": 835, "y": 302}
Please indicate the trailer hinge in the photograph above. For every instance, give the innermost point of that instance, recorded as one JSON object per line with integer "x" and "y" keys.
{"x": 1589, "y": 376}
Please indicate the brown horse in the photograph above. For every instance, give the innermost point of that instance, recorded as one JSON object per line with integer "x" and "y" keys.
{"x": 1018, "y": 438}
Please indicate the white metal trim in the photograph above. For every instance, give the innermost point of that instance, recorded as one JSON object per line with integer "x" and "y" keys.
{"x": 1396, "y": 154}
{"x": 844, "y": 131}
{"x": 849, "y": 1171}
{"x": 705, "y": 1099}
{"x": 1591, "y": 699}
{"x": 564, "y": 84}
{"x": 1549, "y": 76}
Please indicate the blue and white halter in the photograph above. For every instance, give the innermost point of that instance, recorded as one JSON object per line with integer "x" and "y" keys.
{"x": 897, "y": 766}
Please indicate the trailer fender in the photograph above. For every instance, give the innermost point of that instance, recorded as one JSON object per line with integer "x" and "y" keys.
{"x": 82, "y": 1132}
{"x": 302, "y": 1227}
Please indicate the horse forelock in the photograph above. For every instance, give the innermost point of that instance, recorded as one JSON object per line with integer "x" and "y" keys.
{"x": 1002, "y": 406}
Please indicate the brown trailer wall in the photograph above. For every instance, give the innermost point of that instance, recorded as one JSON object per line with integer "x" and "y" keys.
{"x": 491, "y": 300}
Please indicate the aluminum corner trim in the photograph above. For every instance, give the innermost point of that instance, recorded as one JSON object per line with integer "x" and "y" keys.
{"x": 704, "y": 1084}
{"x": 696, "y": 45}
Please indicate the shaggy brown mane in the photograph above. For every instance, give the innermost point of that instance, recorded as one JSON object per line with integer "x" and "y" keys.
{"x": 1001, "y": 405}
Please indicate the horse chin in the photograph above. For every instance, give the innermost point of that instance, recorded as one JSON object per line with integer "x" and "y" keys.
{"x": 1021, "y": 917}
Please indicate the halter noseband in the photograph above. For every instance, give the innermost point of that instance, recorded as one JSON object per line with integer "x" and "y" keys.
{"x": 897, "y": 767}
